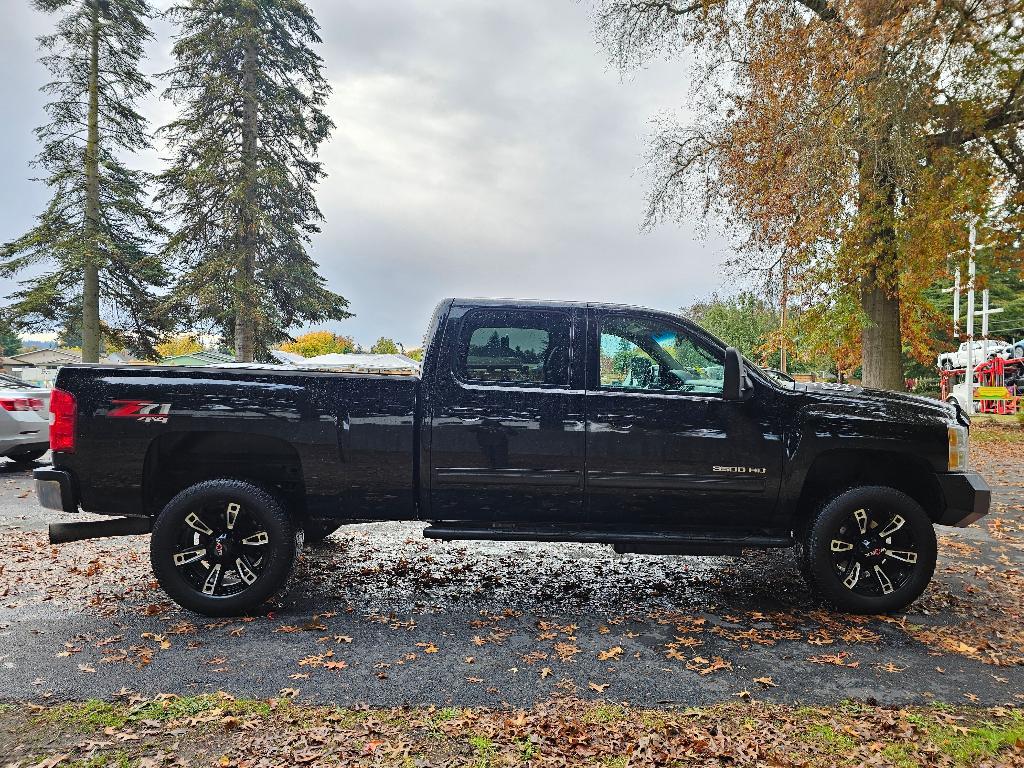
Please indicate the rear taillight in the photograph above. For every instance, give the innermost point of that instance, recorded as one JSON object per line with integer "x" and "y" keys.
{"x": 35, "y": 404}
{"x": 63, "y": 410}
{"x": 15, "y": 404}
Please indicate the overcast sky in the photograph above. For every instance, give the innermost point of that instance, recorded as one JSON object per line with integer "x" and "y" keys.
{"x": 482, "y": 149}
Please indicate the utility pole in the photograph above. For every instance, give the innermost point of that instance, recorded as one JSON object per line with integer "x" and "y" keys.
{"x": 971, "y": 270}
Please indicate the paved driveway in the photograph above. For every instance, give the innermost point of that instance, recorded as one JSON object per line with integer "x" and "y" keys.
{"x": 382, "y": 616}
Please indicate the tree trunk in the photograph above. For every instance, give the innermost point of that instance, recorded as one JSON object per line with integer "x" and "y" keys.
{"x": 91, "y": 270}
{"x": 245, "y": 330}
{"x": 882, "y": 343}
{"x": 881, "y": 350}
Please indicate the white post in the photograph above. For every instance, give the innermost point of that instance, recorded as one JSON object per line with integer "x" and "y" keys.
{"x": 956, "y": 305}
{"x": 970, "y": 321}
{"x": 984, "y": 324}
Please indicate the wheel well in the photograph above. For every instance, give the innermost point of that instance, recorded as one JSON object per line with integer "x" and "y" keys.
{"x": 836, "y": 471}
{"x": 178, "y": 460}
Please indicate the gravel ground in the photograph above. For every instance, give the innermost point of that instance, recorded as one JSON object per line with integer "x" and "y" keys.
{"x": 379, "y": 615}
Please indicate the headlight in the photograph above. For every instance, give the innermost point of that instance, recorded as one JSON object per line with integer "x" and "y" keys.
{"x": 957, "y": 448}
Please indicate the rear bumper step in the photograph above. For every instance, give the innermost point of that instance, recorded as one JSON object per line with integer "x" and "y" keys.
{"x": 61, "y": 533}
{"x": 623, "y": 541}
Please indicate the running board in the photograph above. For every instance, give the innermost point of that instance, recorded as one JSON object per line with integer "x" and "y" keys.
{"x": 62, "y": 533}
{"x": 623, "y": 541}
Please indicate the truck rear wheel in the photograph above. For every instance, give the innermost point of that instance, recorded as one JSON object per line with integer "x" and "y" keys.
{"x": 870, "y": 549}
{"x": 223, "y": 547}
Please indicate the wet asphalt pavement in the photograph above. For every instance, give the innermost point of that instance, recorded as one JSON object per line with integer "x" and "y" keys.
{"x": 379, "y": 615}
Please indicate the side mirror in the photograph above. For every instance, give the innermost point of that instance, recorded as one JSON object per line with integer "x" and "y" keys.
{"x": 732, "y": 384}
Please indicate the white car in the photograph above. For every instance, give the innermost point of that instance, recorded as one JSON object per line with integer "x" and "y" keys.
{"x": 982, "y": 351}
{"x": 24, "y": 420}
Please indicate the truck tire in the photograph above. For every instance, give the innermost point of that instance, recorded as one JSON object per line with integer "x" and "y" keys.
{"x": 318, "y": 530}
{"x": 223, "y": 547}
{"x": 871, "y": 549}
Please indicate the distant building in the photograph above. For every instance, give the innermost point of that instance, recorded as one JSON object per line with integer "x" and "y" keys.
{"x": 40, "y": 365}
{"x": 202, "y": 357}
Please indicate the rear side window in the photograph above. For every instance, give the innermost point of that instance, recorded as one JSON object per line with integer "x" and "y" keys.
{"x": 514, "y": 347}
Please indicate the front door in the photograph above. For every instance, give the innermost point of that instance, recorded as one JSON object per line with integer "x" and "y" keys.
{"x": 665, "y": 450}
{"x": 507, "y": 431}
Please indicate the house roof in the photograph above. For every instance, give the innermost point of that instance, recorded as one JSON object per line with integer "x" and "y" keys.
{"x": 46, "y": 357}
{"x": 202, "y": 357}
{"x": 54, "y": 358}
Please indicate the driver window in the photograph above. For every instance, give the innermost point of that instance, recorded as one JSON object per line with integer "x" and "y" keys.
{"x": 640, "y": 353}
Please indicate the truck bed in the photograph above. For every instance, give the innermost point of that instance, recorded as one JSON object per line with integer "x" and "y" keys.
{"x": 347, "y": 441}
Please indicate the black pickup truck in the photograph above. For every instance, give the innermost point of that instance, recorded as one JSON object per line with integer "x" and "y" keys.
{"x": 530, "y": 420}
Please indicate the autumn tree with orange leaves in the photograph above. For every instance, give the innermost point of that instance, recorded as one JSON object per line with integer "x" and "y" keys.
{"x": 850, "y": 142}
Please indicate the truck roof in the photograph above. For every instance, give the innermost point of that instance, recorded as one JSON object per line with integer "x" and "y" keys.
{"x": 546, "y": 303}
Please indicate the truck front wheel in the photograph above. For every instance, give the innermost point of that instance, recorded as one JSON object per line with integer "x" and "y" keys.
{"x": 223, "y": 547}
{"x": 870, "y": 549}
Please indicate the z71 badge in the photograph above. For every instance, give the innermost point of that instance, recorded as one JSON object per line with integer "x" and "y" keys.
{"x": 140, "y": 410}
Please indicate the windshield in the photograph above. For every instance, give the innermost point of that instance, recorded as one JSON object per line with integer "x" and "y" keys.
{"x": 13, "y": 381}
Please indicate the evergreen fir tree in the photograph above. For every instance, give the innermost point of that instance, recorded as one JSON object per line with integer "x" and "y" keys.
{"x": 239, "y": 192}
{"x": 96, "y": 233}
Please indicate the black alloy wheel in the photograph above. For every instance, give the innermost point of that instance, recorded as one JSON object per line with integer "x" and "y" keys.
{"x": 874, "y": 552}
{"x": 871, "y": 549}
{"x": 222, "y": 547}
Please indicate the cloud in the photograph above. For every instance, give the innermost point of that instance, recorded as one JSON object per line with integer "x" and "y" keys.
{"x": 481, "y": 149}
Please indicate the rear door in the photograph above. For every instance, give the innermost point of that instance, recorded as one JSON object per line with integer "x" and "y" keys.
{"x": 506, "y": 408}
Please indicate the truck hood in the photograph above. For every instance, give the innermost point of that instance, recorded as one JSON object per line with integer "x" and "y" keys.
{"x": 879, "y": 403}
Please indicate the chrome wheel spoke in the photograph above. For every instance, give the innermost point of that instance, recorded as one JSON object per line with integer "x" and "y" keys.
{"x": 883, "y": 580}
{"x": 257, "y": 539}
{"x": 894, "y": 525}
{"x": 231, "y": 515}
{"x": 188, "y": 556}
{"x": 193, "y": 521}
{"x": 861, "y": 516}
{"x": 212, "y": 580}
{"x": 838, "y": 545}
{"x": 246, "y": 573}
{"x": 902, "y": 554}
{"x": 853, "y": 576}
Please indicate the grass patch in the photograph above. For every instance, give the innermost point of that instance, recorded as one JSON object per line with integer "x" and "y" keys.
{"x": 210, "y": 727}
{"x": 832, "y": 741}
{"x": 967, "y": 745}
{"x": 899, "y": 755}
{"x": 119, "y": 759}
{"x": 445, "y": 714}
{"x": 604, "y": 714}
{"x": 483, "y": 750}
{"x": 997, "y": 429}
{"x": 94, "y": 714}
